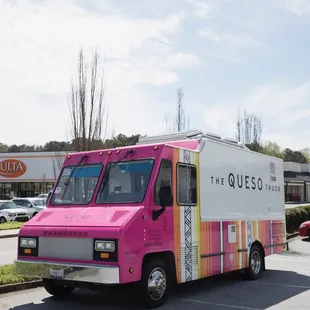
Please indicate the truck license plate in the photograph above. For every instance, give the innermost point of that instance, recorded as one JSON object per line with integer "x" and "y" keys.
{"x": 57, "y": 273}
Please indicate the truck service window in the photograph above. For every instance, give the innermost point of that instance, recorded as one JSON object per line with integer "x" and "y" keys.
{"x": 125, "y": 182}
{"x": 186, "y": 184}
{"x": 76, "y": 184}
{"x": 164, "y": 178}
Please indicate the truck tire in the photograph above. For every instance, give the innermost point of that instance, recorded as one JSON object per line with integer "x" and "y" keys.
{"x": 256, "y": 260}
{"x": 152, "y": 290}
{"x": 2, "y": 220}
{"x": 55, "y": 290}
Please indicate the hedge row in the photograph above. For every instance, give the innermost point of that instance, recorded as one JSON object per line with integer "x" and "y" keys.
{"x": 296, "y": 216}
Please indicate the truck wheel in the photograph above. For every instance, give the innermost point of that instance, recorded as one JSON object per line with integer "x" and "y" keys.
{"x": 57, "y": 290}
{"x": 152, "y": 289}
{"x": 2, "y": 220}
{"x": 256, "y": 259}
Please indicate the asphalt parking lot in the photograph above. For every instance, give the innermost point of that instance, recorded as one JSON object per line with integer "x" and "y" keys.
{"x": 285, "y": 285}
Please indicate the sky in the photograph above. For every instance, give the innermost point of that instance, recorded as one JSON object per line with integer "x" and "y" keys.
{"x": 225, "y": 54}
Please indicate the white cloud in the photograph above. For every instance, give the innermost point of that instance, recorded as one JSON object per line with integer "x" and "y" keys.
{"x": 298, "y": 7}
{"x": 284, "y": 109}
{"x": 38, "y": 54}
{"x": 227, "y": 45}
{"x": 202, "y": 9}
{"x": 228, "y": 39}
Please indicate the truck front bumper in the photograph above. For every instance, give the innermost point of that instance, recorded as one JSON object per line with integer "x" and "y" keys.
{"x": 70, "y": 272}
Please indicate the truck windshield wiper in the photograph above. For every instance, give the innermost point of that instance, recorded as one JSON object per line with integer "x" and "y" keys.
{"x": 111, "y": 167}
{"x": 66, "y": 183}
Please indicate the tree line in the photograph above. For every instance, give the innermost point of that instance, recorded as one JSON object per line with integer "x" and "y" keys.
{"x": 64, "y": 146}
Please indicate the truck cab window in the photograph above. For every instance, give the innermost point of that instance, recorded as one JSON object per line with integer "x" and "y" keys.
{"x": 126, "y": 182}
{"x": 164, "y": 178}
{"x": 186, "y": 184}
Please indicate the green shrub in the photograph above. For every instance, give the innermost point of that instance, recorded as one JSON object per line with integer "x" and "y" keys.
{"x": 295, "y": 216}
{"x": 304, "y": 215}
{"x": 298, "y": 218}
{"x": 289, "y": 219}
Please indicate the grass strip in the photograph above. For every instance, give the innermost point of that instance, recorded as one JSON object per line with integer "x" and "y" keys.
{"x": 11, "y": 225}
{"x": 7, "y": 276}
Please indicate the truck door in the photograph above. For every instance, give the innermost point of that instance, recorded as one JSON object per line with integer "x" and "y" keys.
{"x": 165, "y": 179}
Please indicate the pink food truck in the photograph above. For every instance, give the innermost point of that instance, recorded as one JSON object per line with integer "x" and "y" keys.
{"x": 171, "y": 209}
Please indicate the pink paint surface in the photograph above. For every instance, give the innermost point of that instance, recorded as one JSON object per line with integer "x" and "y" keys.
{"x": 108, "y": 216}
{"x": 188, "y": 144}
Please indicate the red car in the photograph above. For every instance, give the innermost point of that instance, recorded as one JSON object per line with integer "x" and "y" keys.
{"x": 304, "y": 229}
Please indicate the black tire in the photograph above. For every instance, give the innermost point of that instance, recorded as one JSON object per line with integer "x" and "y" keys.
{"x": 154, "y": 300}
{"x": 2, "y": 220}
{"x": 55, "y": 290}
{"x": 34, "y": 214}
{"x": 256, "y": 263}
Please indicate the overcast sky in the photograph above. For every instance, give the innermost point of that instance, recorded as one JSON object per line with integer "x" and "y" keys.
{"x": 226, "y": 54}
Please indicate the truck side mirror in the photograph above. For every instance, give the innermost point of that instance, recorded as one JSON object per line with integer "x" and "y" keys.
{"x": 165, "y": 199}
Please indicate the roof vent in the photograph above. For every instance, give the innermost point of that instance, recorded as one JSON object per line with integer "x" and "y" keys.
{"x": 185, "y": 135}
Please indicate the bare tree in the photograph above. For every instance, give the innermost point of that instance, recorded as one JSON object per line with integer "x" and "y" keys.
{"x": 249, "y": 130}
{"x": 180, "y": 123}
{"x": 87, "y": 111}
{"x": 57, "y": 160}
{"x": 43, "y": 184}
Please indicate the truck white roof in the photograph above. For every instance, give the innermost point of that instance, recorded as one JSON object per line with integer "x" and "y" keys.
{"x": 185, "y": 135}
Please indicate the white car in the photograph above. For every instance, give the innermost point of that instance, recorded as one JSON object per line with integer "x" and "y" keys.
{"x": 42, "y": 196}
{"x": 32, "y": 205}
{"x": 10, "y": 212}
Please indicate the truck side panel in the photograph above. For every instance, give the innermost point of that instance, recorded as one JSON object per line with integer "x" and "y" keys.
{"x": 238, "y": 184}
{"x": 216, "y": 234}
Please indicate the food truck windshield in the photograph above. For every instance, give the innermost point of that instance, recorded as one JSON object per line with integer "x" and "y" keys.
{"x": 122, "y": 182}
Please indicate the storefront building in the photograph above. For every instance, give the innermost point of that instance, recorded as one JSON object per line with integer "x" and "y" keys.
{"x": 297, "y": 182}
{"x": 28, "y": 174}
{"x": 33, "y": 173}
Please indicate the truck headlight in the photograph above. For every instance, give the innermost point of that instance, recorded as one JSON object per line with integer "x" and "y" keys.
{"x": 12, "y": 214}
{"x": 28, "y": 243}
{"x": 104, "y": 246}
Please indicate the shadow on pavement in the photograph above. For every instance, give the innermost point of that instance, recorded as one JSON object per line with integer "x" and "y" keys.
{"x": 273, "y": 288}
{"x": 305, "y": 239}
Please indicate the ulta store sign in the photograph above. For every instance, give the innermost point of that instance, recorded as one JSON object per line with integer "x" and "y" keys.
{"x": 12, "y": 168}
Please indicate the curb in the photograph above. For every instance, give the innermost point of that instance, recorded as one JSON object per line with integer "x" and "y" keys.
{"x": 20, "y": 286}
{"x": 8, "y": 236}
{"x": 293, "y": 235}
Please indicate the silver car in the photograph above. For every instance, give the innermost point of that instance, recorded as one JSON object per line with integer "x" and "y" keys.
{"x": 10, "y": 212}
{"x": 32, "y": 205}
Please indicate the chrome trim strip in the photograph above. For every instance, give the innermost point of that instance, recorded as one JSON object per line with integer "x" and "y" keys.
{"x": 73, "y": 272}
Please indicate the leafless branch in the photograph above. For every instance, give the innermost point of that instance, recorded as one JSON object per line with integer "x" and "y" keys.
{"x": 88, "y": 112}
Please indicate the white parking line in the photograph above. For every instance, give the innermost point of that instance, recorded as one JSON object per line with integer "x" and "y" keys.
{"x": 290, "y": 258}
{"x": 216, "y": 304}
{"x": 281, "y": 285}
{"x": 8, "y": 252}
{"x": 300, "y": 241}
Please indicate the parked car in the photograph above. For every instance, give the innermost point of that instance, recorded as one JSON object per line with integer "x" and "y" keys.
{"x": 10, "y": 212}
{"x": 42, "y": 196}
{"x": 32, "y": 205}
{"x": 304, "y": 229}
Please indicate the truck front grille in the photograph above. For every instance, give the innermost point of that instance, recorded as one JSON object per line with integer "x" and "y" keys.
{"x": 66, "y": 248}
